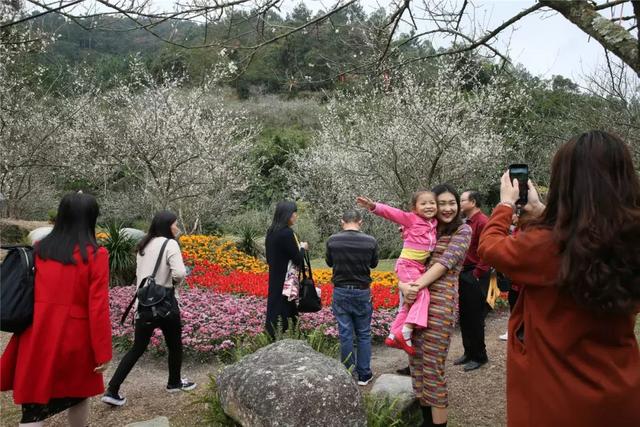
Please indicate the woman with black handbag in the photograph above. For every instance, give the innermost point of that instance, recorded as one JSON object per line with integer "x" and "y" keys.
{"x": 283, "y": 251}
{"x": 159, "y": 258}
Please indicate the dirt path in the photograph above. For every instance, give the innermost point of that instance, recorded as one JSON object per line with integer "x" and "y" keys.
{"x": 476, "y": 398}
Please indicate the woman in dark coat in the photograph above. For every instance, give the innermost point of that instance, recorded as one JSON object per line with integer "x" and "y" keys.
{"x": 282, "y": 246}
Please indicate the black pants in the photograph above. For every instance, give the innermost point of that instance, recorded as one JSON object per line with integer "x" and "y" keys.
{"x": 171, "y": 328}
{"x": 473, "y": 310}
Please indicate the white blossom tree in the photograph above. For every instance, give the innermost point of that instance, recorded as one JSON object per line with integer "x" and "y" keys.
{"x": 388, "y": 144}
{"x": 30, "y": 123}
{"x": 167, "y": 147}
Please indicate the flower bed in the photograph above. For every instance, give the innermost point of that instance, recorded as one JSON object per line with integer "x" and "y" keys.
{"x": 219, "y": 251}
{"x": 212, "y": 276}
{"x": 212, "y": 321}
{"x": 226, "y": 299}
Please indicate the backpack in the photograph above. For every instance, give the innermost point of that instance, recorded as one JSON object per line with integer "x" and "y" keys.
{"x": 17, "y": 275}
{"x": 309, "y": 301}
{"x": 154, "y": 301}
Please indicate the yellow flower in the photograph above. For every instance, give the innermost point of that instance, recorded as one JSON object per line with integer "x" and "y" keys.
{"x": 221, "y": 252}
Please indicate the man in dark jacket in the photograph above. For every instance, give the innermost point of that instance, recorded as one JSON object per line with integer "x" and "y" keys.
{"x": 353, "y": 254}
{"x": 473, "y": 287}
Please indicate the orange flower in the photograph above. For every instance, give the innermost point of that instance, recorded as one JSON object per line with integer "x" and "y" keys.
{"x": 221, "y": 252}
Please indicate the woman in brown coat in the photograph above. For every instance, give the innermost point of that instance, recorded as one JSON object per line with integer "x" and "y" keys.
{"x": 572, "y": 356}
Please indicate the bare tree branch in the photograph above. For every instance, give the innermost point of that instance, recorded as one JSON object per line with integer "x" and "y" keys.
{"x": 611, "y": 36}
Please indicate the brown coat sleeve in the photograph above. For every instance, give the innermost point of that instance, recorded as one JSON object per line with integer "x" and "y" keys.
{"x": 530, "y": 257}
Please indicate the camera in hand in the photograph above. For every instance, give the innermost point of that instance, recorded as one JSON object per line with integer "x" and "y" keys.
{"x": 520, "y": 172}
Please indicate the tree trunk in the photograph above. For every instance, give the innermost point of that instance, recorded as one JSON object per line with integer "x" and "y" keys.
{"x": 611, "y": 36}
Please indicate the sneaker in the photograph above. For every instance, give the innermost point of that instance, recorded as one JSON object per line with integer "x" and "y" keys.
{"x": 113, "y": 399}
{"x": 504, "y": 337}
{"x": 366, "y": 380}
{"x": 185, "y": 385}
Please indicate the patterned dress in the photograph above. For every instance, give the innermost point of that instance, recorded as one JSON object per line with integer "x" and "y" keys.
{"x": 432, "y": 343}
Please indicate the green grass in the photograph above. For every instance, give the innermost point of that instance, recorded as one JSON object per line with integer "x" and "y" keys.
{"x": 638, "y": 328}
{"x": 383, "y": 265}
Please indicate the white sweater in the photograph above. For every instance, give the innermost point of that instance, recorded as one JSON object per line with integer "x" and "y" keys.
{"x": 171, "y": 270}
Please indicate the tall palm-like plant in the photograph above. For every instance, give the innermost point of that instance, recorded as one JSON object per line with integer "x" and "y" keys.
{"x": 122, "y": 257}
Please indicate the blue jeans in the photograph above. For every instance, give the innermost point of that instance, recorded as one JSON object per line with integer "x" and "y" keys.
{"x": 353, "y": 309}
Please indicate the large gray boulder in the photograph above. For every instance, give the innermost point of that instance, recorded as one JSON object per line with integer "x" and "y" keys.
{"x": 288, "y": 384}
{"x": 397, "y": 389}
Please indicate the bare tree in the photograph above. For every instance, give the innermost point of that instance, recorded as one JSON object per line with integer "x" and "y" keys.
{"x": 443, "y": 18}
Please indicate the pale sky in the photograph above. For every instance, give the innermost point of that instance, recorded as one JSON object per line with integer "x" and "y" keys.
{"x": 545, "y": 43}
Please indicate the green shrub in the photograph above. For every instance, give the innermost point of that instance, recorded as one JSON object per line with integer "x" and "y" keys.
{"x": 214, "y": 414}
{"x": 140, "y": 224}
{"x": 253, "y": 219}
{"x": 122, "y": 257}
{"x": 249, "y": 228}
{"x": 307, "y": 230}
{"x": 250, "y": 344}
{"x": 384, "y": 413}
{"x": 11, "y": 233}
{"x": 386, "y": 233}
{"x": 249, "y": 242}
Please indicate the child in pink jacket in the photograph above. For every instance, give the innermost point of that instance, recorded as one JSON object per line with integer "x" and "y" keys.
{"x": 419, "y": 237}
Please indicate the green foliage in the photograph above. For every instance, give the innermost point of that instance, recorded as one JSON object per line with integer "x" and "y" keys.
{"x": 307, "y": 230}
{"x": 256, "y": 220}
{"x": 140, "y": 224}
{"x": 384, "y": 413}
{"x": 214, "y": 414}
{"x": 250, "y": 344}
{"x": 386, "y": 233}
{"x": 249, "y": 227}
{"x": 122, "y": 257}
{"x": 249, "y": 242}
{"x": 271, "y": 155}
{"x": 11, "y": 233}
{"x": 383, "y": 264}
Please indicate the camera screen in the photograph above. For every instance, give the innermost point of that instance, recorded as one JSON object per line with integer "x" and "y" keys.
{"x": 518, "y": 172}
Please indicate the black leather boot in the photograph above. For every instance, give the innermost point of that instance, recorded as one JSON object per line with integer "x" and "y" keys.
{"x": 427, "y": 420}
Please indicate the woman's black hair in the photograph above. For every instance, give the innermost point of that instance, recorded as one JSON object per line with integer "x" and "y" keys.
{"x": 450, "y": 228}
{"x": 282, "y": 215}
{"x": 75, "y": 227}
{"x": 160, "y": 227}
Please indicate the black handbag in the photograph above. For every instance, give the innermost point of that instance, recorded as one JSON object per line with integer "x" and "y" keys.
{"x": 309, "y": 301}
{"x": 154, "y": 301}
{"x": 17, "y": 275}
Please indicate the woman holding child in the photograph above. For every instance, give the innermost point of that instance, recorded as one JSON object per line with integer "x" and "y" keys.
{"x": 441, "y": 279}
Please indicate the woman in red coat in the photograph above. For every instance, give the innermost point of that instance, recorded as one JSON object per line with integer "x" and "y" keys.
{"x": 58, "y": 361}
{"x": 572, "y": 357}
